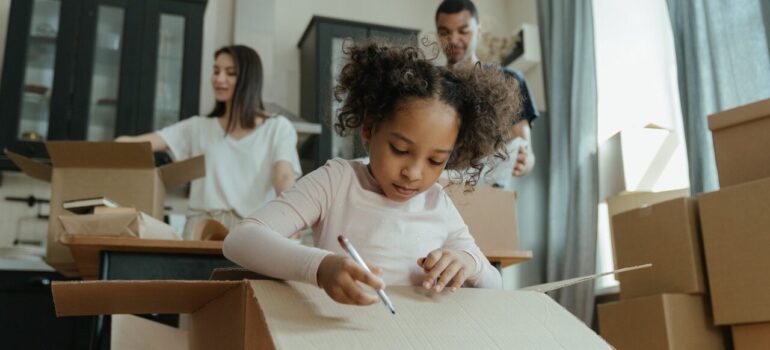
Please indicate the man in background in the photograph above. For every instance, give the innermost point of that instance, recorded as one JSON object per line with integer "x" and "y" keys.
{"x": 457, "y": 25}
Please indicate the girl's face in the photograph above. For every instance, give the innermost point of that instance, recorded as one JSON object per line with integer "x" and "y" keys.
{"x": 224, "y": 77}
{"x": 408, "y": 151}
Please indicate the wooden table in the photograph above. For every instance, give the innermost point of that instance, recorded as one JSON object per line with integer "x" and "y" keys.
{"x": 87, "y": 250}
{"x": 504, "y": 258}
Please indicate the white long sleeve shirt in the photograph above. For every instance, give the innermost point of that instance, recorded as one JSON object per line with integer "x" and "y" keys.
{"x": 342, "y": 197}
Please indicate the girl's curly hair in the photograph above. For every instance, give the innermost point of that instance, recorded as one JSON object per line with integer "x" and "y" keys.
{"x": 379, "y": 76}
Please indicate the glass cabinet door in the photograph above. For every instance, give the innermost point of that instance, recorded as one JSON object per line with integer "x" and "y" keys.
{"x": 105, "y": 79}
{"x": 34, "y": 109}
{"x": 168, "y": 81}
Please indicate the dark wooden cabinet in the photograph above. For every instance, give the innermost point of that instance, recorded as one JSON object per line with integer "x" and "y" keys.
{"x": 321, "y": 59}
{"x": 97, "y": 69}
{"x": 27, "y": 316}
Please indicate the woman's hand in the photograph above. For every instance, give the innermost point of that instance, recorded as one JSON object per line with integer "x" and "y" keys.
{"x": 338, "y": 276}
{"x": 445, "y": 266}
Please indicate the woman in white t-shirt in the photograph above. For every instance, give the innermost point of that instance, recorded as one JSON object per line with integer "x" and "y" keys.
{"x": 251, "y": 156}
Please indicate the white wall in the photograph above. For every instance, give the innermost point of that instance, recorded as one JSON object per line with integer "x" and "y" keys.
{"x": 274, "y": 28}
{"x": 217, "y": 32}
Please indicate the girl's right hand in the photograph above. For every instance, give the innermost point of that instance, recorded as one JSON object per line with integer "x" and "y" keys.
{"x": 337, "y": 275}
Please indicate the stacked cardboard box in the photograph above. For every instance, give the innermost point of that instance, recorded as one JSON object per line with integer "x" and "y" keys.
{"x": 662, "y": 307}
{"x": 732, "y": 229}
{"x": 736, "y": 224}
{"x": 124, "y": 172}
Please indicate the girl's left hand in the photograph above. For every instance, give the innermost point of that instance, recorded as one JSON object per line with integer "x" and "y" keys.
{"x": 443, "y": 266}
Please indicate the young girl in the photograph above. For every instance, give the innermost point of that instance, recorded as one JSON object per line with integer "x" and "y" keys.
{"x": 417, "y": 119}
{"x": 250, "y": 154}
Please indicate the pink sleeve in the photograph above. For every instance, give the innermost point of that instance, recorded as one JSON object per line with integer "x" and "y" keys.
{"x": 485, "y": 275}
{"x": 259, "y": 242}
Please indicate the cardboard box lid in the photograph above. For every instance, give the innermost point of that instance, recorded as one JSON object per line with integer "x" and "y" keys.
{"x": 740, "y": 115}
{"x": 299, "y": 315}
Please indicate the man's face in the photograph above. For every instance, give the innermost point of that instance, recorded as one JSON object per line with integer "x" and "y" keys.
{"x": 458, "y": 33}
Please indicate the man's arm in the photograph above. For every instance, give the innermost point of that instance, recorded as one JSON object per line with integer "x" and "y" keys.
{"x": 525, "y": 158}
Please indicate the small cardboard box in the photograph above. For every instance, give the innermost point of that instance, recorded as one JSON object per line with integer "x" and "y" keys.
{"x": 741, "y": 142}
{"x": 490, "y": 214}
{"x": 124, "y": 172}
{"x": 118, "y": 222}
{"x": 736, "y": 239}
{"x": 663, "y": 321}
{"x": 641, "y": 160}
{"x": 755, "y": 336}
{"x": 292, "y": 315}
{"x": 667, "y": 235}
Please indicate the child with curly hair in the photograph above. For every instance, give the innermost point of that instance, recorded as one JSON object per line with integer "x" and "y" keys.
{"x": 417, "y": 119}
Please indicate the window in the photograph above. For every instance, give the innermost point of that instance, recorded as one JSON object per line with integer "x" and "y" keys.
{"x": 636, "y": 85}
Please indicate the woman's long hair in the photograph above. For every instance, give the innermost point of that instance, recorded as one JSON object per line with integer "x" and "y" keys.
{"x": 247, "y": 96}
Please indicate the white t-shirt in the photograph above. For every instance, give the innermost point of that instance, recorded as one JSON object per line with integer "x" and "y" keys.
{"x": 238, "y": 172}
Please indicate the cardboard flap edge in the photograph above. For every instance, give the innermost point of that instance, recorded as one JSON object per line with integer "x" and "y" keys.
{"x": 178, "y": 173}
{"x": 81, "y": 298}
{"x": 31, "y": 167}
{"x": 547, "y": 287}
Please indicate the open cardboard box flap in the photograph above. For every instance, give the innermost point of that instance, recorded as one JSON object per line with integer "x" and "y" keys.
{"x": 112, "y": 155}
{"x": 271, "y": 314}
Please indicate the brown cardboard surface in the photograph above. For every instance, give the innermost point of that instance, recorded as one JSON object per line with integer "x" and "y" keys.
{"x": 298, "y": 315}
{"x": 85, "y": 154}
{"x": 490, "y": 214}
{"x": 124, "y": 172}
{"x": 626, "y": 201}
{"x": 30, "y": 167}
{"x": 221, "y": 323}
{"x": 136, "y": 297}
{"x": 130, "y": 332}
{"x": 179, "y": 173}
{"x": 739, "y": 115}
{"x": 755, "y": 336}
{"x": 664, "y": 234}
{"x": 741, "y": 143}
{"x": 736, "y": 238}
{"x": 663, "y": 321}
{"x": 122, "y": 222}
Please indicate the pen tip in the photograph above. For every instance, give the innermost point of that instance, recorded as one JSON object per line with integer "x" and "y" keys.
{"x": 393, "y": 311}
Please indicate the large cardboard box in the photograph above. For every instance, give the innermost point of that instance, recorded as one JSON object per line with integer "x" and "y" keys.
{"x": 123, "y": 172}
{"x": 667, "y": 235}
{"x": 741, "y": 142}
{"x": 663, "y": 321}
{"x": 736, "y": 239}
{"x": 490, "y": 214}
{"x": 292, "y": 315}
{"x": 646, "y": 159}
{"x": 754, "y": 336}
